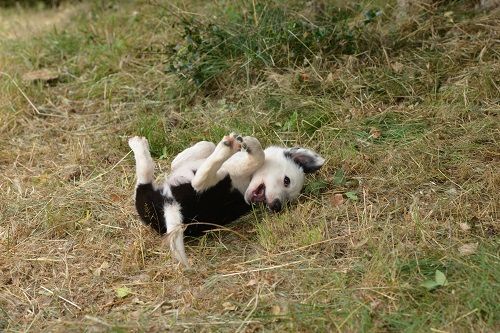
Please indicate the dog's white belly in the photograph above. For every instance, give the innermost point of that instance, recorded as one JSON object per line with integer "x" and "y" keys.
{"x": 184, "y": 174}
{"x": 240, "y": 183}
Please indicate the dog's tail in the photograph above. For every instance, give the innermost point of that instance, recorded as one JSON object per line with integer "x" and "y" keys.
{"x": 175, "y": 229}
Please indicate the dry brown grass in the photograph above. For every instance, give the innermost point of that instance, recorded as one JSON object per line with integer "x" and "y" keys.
{"x": 70, "y": 238}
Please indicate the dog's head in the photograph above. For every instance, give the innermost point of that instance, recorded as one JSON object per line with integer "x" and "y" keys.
{"x": 281, "y": 178}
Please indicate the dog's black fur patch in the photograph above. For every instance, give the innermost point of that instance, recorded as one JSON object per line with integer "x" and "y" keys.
{"x": 220, "y": 205}
{"x": 149, "y": 203}
{"x": 304, "y": 158}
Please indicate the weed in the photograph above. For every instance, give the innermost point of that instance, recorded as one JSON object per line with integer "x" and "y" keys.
{"x": 275, "y": 38}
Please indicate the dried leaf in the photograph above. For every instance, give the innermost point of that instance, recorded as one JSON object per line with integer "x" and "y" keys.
{"x": 330, "y": 77}
{"x": 98, "y": 271}
{"x": 45, "y": 75}
{"x": 360, "y": 243}
{"x": 397, "y": 67}
{"x": 451, "y": 191}
{"x": 136, "y": 300}
{"x": 468, "y": 249}
{"x": 141, "y": 278}
{"x": 449, "y": 16}
{"x": 252, "y": 282}
{"x": 337, "y": 199}
{"x": 375, "y": 304}
{"x": 72, "y": 173}
{"x": 276, "y": 310}
{"x": 464, "y": 226}
{"x": 280, "y": 309}
{"x": 228, "y": 306}
{"x": 115, "y": 197}
{"x": 375, "y": 133}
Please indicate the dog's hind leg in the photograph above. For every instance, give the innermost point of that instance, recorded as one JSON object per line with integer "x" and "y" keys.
{"x": 209, "y": 173}
{"x": 144, "y": 165}
{"x": 199, "y": 151}
{"x": 149, "y": 199}
{"x": 157, "y": 207}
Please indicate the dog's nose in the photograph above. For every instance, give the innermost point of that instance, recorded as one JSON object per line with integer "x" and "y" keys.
{"x": 275, "y": 206}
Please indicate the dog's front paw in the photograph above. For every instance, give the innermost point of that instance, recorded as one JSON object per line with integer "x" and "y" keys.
{"x": 228, "y": 146}
{"x": 233, "y": 141}
{"x": 138, "y": 143}
{"x": 250, "y": 145}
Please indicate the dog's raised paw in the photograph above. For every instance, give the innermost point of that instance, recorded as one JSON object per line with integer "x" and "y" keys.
{"x": 250, "y": 145}
{"x": 138, "y": 143}
{"x": 233, "y": 141}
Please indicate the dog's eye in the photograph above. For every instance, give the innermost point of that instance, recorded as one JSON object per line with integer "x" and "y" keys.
{"x": 286, "y": 181}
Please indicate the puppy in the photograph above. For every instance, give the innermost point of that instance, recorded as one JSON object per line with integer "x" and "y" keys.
{"x": 212, "y": 185}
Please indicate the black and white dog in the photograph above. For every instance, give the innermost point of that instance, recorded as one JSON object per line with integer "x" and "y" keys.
{"x": 212, "y": 185}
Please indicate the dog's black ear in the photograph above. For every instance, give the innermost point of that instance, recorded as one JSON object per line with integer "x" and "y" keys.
{"x": 308, "y": 160}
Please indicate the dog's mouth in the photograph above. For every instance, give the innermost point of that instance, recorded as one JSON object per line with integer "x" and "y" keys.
{"x": 259, "y": 194}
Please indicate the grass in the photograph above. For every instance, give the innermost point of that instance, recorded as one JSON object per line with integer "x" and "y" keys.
{"x": 403, "y": 107}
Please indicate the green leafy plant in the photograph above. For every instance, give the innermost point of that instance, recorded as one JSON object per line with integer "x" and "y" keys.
{"x": 315, "y": 187}
{"x": 352, "y": 195}
{"x": 279, "y": 38}
{"x": 339, "y": 178}
{"x": 440, "y": 280}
